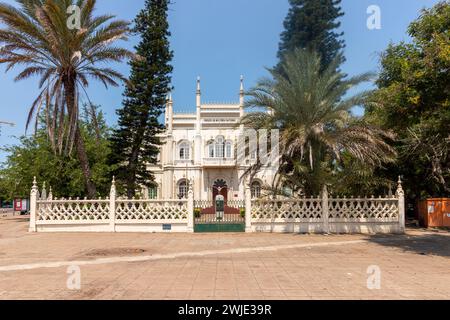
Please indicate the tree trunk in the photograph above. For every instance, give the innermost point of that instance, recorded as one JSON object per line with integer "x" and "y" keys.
{"x": 72, "y": 109}
{"x": 84, "y": 161}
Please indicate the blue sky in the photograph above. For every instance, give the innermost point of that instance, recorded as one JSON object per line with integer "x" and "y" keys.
{"x": 220, "y": 40}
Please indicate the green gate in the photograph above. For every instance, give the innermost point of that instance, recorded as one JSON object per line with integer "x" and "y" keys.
{"x": 221, "y": 216}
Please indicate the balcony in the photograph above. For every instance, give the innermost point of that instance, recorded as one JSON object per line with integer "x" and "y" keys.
{"x": 219, "y": 162}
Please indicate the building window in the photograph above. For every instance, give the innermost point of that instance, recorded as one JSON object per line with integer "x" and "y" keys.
{"x": 182, "y": 190}
{"x": 219, "y": 147}
{"x": 211, "y": 150}
{"x": 153, "y": 192}
{"x": 184, "y": 151}
{"x": 228, "y": 150}
{"x": 255, "y": 190}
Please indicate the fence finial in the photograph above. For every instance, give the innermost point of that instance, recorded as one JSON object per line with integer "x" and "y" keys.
{"x": 399, "y": 187}
{"x": 34, "y": 183}
{"x": 43, "y": 192}
{"x": 112, "y": 191}
{"x": 50, "y": 193}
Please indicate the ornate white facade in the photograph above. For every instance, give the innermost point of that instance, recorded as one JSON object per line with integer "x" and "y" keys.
{"x": 201, "y": 148}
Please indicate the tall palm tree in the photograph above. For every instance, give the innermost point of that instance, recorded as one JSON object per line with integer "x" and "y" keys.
{"x": 316, "y": 125}
{"x": 40, "y": 36}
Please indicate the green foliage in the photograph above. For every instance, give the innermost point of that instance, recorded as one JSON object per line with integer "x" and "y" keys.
{"x": 242, "y": 212}
{"x": 319, "y": 136}
{"x": 413, "y": 98}
{"x": 135, "y": 142}
{"x": 36, "y": 35}
{"x": 312, "y": 24}
{"x": 197, "y": 213}
{"x": 34, "y": 156}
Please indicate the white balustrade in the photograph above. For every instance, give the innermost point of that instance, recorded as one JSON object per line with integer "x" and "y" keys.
{"x": 316, "y": 214}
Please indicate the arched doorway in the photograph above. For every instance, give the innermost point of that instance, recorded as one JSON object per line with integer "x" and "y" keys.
{"x": 220, "y": 188}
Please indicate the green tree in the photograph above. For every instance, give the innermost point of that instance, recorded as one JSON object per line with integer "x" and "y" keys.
{"x": 317, "y": 130}
{"x": 413, "y": 98}
{"x": 135, "y": 141}
{"x": 40, "y": 36}
{"x": 34, "y": 156}
{"x": 312, "y": 24}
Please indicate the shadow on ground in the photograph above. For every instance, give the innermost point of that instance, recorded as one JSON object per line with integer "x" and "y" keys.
{"x": 425, "y": 244}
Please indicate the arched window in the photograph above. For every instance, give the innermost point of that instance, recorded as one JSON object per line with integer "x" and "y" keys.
{"x": 211, "y": 149}
{"x": 184, "y": 151}
{"x": 153, "y": 192}
{"x": 255, "y": 190}
{"x": 182, "y": 189}
{"x": 228, "y": 149}
{"x": 219, "y": 150}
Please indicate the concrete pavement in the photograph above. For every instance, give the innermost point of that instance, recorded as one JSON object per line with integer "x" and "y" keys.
{"x": 221, "y": 265}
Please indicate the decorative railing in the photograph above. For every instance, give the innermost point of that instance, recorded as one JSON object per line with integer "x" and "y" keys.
{"x": 319, "y": 214}
{"x": 219, "y": 161}
{"x": 282, "y": 210}
{"x": 131, "y": 210}
{"x": 377, "y": 209}
{"x": 68, "y": 210}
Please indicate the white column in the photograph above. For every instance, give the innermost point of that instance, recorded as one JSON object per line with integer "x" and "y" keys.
{"x": 34, "y": 195}
{"x": 170, "y": 115}
{"x": 199, "y": 105}
{"x": 248, "y": 208}
{"x": 190, "y": 208}
{"x": 198, "y": 149}
{"x": 112, "y": 206}
{"x": 241, "y": 101}
{"x": 325, "y": 210}
{"x": 401, "y": 206}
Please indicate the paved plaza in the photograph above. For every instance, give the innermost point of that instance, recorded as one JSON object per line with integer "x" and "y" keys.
{"x": 221, "y": 265}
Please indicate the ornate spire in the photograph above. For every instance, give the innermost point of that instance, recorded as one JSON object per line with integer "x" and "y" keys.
{"x": 400, "y": 191}
{"x": 198, "y": 85}
{"x": 44, "y": 192}
{"x": 242, "y": 85}
{"x": 112, "y": 192}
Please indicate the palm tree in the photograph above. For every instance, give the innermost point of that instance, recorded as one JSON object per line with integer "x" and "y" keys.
{"x": 316, "y": 125}
{"x": 39, "y": 36}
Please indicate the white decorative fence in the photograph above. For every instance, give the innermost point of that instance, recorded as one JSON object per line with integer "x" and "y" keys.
{"x": 109, "y": 215}
{"x": 305, "y": 215}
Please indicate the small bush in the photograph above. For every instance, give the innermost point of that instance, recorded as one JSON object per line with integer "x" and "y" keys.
{"x": 242, "y": 211}
{"x": 197, "y": 213}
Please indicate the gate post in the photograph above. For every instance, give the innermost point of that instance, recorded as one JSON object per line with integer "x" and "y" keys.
{"x": 248, "y": 208}
{"x": 190, "y": 208}
{"x": 34, "y": 195}
{"x": 401, "y": 206}
{"x": 325, "y": 210}
{"x": 112, "y": 206}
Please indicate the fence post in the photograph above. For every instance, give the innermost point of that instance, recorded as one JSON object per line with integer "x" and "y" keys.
{"x": 34, "y": 195}
{"x": 248, "y": 208}
{"x": 325, "y": 210}
{"x": 190, "y": 208}
{"x": 112, "y": 206}
{"x": 401, "y": 206}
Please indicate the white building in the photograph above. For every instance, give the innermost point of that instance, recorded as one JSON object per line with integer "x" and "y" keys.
{"x": 201, "y": 148}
